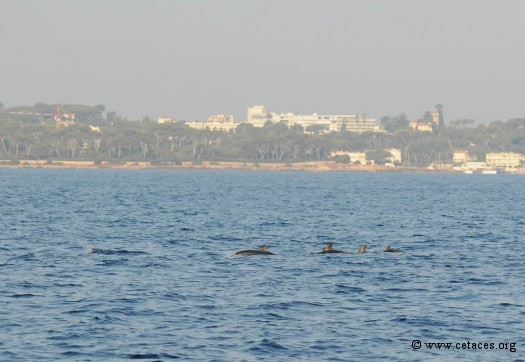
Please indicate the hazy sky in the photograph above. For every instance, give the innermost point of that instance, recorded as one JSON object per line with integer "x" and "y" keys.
{"x": 188, "y": 58}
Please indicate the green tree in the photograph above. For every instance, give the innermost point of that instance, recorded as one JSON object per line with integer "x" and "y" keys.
{"x": 111, "y": 116}
{"x": 342, "y": 159}
{"x": 315, "y": 128}
{"x": 392, "y": 124}
{"x": 427, "y": 116}
{"x": 380, "y": 157}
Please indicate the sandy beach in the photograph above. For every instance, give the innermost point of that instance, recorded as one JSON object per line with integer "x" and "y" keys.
{"x": 314, "y": 166}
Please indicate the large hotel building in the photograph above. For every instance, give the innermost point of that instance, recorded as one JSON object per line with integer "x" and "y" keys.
{"x": 258, "y": 116}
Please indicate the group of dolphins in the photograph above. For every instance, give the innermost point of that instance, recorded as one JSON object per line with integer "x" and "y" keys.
{"x": 328, "y": 249}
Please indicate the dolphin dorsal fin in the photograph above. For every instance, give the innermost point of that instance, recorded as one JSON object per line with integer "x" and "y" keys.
{"x": 265, "y": 248}
{"x": 388, "y": 248}
{"x": 328, "y": 247}
{"x": 362, "y": 249}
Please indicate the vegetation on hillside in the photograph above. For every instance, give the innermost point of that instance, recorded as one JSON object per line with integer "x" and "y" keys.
{"x": 30, "y": 133}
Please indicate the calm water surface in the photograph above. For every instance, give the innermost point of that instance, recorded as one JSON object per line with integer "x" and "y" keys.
{"x": 163, "y": 283}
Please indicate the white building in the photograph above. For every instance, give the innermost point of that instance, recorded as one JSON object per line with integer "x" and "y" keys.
{"x": 421, "y": 126}
{"x": 460, "y": 157}
{"x": 396, "y": 155}
{"x": 354, "y": 156}
{"x": 166, "y": 120}
{"x": 94, "y": 128}
{"x": 507, "y": 160}
{"x": 220, "y": 118}
{"x": 218, "y": 122}
{"x": 258, "y": 116}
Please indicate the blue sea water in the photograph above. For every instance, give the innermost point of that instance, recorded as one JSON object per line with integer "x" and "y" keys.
{"x": 122, "y": 265}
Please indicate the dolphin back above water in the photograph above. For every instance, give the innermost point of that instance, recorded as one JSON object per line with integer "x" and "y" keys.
{"x": 328, "y": 249}
{"x": 263, "y": 251}
{"x": 389, "y": 249}
{"x": 92, "y": 250}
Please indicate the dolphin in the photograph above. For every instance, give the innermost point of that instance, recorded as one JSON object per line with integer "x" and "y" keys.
{"x": 91, "y": 250}
{"x": 388, "y": 249}
{"x": 362, "y": 249}
{"x": 262, "y": 251}
{"x": 330, "y": 250}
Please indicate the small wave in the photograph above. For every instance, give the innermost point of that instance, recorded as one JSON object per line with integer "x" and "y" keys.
{"x": 26, "y": 257}
{"x": 400, "y": 319}
{"x": 108, "y": 319}
{"x": 156, "y": 356}
{"x": 410, "y": 290}
{"x": 71, "y": 354}
{"x": 510, "y": 305}
{"x": 275, "y": 223}
{"x": 493, "y": 330}
{"x": 5, "y": 262}
{"x": 144, "y": 356}
{"x": 25, "y": 295}
{"x": 267, "y": 317}
{"x": 349, "y": 289}
{"x": 267, "y": 345}
{"x": 64, "y": 285}
{"x": 108, "y": 262}
{"x": 154, "y": 264}
{"x": 174, "y": 296}
{"x": 277, "y": 316}
{"x": 75, "y": 311}
{"x": 223, "y": 237}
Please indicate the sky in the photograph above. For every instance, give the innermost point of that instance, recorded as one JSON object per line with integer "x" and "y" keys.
{"x": 188, "y": 59}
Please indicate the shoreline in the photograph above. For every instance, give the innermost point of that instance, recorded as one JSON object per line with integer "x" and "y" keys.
{"x": 310, "y": 166}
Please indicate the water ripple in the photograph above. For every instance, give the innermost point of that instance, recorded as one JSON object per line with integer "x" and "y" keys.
{"x": 146, "y": 269}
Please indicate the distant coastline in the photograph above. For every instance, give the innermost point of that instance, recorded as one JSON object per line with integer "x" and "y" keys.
{"x": 313, "y": 166}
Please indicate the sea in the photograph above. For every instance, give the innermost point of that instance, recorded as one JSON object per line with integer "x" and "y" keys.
{"x": 116, "y": 265}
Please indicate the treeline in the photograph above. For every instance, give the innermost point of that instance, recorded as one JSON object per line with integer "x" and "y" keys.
{"x": 28, "y": 133}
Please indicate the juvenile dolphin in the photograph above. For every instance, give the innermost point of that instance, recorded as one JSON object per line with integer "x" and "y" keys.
{"x": 362, "y": 249}
{"x": 330, "y": 250}
{"x": 262, "y": 251}
{"x": 388, "y": 249}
